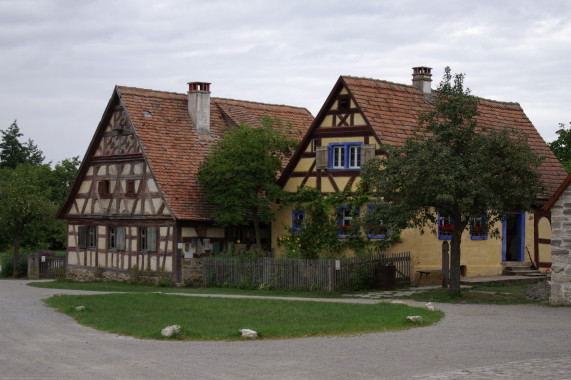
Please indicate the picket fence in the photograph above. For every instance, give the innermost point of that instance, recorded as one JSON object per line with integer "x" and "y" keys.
{"x": 320, "y": 274}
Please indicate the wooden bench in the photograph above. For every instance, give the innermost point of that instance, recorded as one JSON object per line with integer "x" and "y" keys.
{"x": 426, "y": 273}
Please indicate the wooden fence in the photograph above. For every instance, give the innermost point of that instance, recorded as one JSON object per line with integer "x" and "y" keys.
{"x": 45, "y": 266}
{"x": 321, "y": 274}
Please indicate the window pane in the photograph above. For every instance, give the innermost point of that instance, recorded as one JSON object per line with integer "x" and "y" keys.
{"x": 355, "y": 156}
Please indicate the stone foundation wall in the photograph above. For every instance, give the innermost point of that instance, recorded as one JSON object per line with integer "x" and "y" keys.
{"x": 192, "y": 272}
{"x": 561, "y": 249}
{"x": 77, "y": 273}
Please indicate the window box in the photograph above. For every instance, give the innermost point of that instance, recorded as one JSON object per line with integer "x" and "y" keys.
{"x": 445, "y": 227}
{"x": 298, "y": 220}
{"x": 479, "y": 228}
{"x": 345, "y": 220}
{"x": 379, "y": 230}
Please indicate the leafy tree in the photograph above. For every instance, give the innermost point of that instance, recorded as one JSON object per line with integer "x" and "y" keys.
{"x": 240, "y": 174}
{"x": 23, "y": 202}
{"x": 62, "y": 177}
{"x": 13, "y": 152}
{"x": 455, "y": 167}
{"x": 562, "y": 146}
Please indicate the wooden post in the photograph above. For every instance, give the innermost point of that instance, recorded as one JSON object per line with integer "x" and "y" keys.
{"x": 445, "y": 265}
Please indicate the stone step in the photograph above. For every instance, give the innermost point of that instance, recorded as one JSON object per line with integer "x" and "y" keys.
{"x": 516, "y": 264}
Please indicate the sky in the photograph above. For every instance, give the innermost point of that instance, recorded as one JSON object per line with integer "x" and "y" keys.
{"x": 61, "y": 59}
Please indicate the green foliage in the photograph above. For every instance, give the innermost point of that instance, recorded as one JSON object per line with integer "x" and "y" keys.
{"x": 562, "y": 146}
{"x": 454, "y": 166}
{"x": 8, "y": 266}
{"x": 13, "y": 152}
{"x": 240, "y": 173}
{"x": 43, "y": 188}
{"x": 320, "y": 235}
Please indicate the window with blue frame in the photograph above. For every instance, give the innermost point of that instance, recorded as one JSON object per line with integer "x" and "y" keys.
{"x": 377, "y": 230}
{"x": 345, "y": 221}
{"x": 298, "y": 220}
{"x": 479, "y": 228}
{"x": 345, "y": 156}
{"x": 445, "y": 226}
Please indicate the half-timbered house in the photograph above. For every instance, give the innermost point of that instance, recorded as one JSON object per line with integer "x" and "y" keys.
{"x": 359, "y": 116}
{"x": 135, "y": 203}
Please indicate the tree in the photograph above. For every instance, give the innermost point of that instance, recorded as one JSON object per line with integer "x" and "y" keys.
{"x": 13, "y": 152}
{"x": 455, "y": 167}
{"x": 23, "y": 202}
{"x": 562, "y": 146}
{"x": 240, "y": 174}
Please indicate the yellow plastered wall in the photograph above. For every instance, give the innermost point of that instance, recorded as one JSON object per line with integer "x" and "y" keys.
{"x": 480, "y": 257}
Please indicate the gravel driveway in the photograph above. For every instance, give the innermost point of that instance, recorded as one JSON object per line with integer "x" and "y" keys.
{"x": 36, "y": 342}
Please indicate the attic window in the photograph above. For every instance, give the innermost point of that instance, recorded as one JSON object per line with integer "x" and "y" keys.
{"x": 344, "y": 104}
{"x": 147, "y": 114}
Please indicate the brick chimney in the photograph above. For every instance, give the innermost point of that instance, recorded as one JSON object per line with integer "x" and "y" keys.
{"x": 199, "y": 106}
{"x": 421, "y": 78}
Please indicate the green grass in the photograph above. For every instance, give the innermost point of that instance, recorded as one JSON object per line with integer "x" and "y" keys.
{"x": 205, "y": 318}
{"x": 498, "y": 294}
{"x": 116, "y": 286}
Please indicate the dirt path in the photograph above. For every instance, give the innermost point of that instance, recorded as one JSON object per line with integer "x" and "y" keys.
{"x": 38, "y": 343}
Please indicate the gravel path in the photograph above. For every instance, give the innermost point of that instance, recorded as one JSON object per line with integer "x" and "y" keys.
{"x": 472, "y": 341}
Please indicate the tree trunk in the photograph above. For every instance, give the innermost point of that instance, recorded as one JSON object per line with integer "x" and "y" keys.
{"x": 455, "y": 262}
{"x": 16, "y": 256}
{"x": 257, "y": 233}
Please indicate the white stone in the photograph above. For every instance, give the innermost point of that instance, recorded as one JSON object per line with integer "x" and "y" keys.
{"x": 414, "y": 318}
{"x": 170, "y": 331}
{"x": 250, "y": 334}
{"x": 429, "y": 306}
{"x": 80, "y": 308}
{"x": 396, "y": 302}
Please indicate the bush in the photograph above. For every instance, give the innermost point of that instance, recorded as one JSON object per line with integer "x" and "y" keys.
{"x": 8, "y": 267}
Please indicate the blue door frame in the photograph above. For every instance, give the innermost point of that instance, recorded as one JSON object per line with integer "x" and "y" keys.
{"x": 520, "y": 236}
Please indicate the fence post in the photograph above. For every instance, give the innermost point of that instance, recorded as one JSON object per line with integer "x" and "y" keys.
{"x": 34, "y": 266}
{"x": 445, "y": 265}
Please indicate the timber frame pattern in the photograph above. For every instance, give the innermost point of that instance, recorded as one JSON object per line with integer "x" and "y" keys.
{"x": 135, "y": 204}
{"x": 118, "y": 202}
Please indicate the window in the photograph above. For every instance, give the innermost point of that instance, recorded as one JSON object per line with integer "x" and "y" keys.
{"x": 112, "y": 239}
{"x": 298, "y": 220}
{"x": 116, "y": 238}
{"x": 103, "y": 187}
{"x": 92, "y": 237}
{"x": 130, "y": 187}
{"x": 355, "y": 157}
{"x": 344, "y": 104}
{"x": 148, "y": 239}
{"x": 314, "y": 145}
{"x": 345, "y": 156}
{"x": 377, "y": 230}
{"x": 445, "y": 226}
{"x": 345, "y": 221}
{"x": 479, "y": 228}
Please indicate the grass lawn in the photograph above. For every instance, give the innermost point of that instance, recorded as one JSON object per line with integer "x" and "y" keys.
{"x": 499, "y": 294}
{"x": 116, "y": 286}
{"x": 145, "y": 315}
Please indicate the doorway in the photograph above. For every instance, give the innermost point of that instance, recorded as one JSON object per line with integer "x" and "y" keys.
{"x": 513, "y": 237}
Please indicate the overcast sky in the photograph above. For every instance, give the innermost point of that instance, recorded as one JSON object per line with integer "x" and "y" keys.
{"x": 60, "y": 60}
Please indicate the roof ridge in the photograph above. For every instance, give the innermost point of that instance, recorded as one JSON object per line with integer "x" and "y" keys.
{"x": 434, "y": 90}
{"x": 215, "y": 98}
{"x": 378, "y": 80}
{"x": 258, "y": 103}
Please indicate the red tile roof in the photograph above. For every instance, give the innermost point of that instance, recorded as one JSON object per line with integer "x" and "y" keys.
{"x": 174, "y": 150}
{"x": 393, "y": 111}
